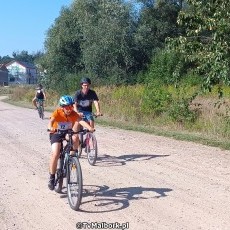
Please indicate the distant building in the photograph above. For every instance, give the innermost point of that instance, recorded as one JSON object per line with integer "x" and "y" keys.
{"x": 4, "y": 80}
{"x": 22, "y": 72}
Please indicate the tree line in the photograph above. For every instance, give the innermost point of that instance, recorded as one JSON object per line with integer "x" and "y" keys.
{"x": 110, "y": 41}
{"x": 122, "y": 42}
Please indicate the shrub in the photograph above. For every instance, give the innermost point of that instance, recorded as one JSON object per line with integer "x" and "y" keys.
{"x": 156, "y": 100}
{"x": 162, "y": 68}
{"x": 180, "y": 111}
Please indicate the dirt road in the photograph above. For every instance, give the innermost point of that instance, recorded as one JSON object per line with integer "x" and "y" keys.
{"x": 140, "y": 181}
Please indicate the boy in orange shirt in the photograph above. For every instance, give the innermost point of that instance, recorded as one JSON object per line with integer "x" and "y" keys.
{"x": 63, "y": 117}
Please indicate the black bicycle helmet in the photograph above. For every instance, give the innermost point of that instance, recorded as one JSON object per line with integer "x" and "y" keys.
{"x": 66, "y": 100}
{"x": 39, "y": 86}
{"x": 85, "y": 80}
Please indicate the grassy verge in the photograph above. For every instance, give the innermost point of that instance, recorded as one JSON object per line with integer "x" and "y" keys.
{"x": 123, "y": 116}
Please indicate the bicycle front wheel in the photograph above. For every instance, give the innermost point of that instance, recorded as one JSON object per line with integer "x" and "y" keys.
{"x": 91, "y": 148}
{"x": 40, "y": 112}
{"x": 74, "y": 183}
{"x": 59, "y": 177}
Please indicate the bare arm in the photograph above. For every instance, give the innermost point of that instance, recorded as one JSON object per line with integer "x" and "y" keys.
{"x": 75, "y": 107}
{"x": 44, "y": 95}
{"x": 86, "y": 125}
{"x": 97, "y": 106}
{"x": 50, "y": 124}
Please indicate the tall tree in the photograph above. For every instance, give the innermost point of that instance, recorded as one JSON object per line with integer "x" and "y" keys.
{"x": 62, "y": 44}
{"x": 26, "y": 57}
{"x": 157, "y": 21}
{"x": 206, "y": 43}
{"x": 107, "y": 34}
{"x": 5, "y": 59}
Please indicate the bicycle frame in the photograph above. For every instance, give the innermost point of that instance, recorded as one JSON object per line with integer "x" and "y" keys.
{"x": 40, "y": 107}
{"x": 70, "y": 169}
{"x": 90, "y": 145}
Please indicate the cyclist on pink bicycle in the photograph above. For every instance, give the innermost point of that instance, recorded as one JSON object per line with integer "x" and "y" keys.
{"x": 84, "y": 98}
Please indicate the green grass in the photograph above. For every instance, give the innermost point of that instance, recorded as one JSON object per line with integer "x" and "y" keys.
{"x": 122, "y": 108}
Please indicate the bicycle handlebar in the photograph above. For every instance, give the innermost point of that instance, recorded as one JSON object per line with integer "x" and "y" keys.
{"x": 94, "y": 115}
{"x": 97, "y": 115}
{"x": 69, "y": 131}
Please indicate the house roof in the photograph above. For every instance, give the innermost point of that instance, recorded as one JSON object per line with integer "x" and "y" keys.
{"x": 24, "y": 64}
{"x": 3, "y": 67}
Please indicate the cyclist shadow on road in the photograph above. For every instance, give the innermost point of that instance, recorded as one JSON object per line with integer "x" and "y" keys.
{"x": 108, "y": 200}
{"x": 108, "y": 161}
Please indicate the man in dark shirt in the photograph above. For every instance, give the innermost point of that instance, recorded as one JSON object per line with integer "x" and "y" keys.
{"x": 84, "y": 98}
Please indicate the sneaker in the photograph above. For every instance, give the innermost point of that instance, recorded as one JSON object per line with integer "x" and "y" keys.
{"x": 51, "y": 184}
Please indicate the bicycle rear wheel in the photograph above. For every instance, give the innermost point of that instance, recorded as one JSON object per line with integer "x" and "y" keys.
{"x": 74, "y": 183}
{"x": 91, "y": 148}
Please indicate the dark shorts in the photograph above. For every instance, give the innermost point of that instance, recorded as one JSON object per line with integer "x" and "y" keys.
{"x": 56, "y": 138}
{"x": 88, "y": 116}
{"x": 39, "y": 100}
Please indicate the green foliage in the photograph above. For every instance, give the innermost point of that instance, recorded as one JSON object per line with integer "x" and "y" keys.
{"x": 137, "y": 106}
{"x": 156, "y": 100}
{"x": 157, "y": 21}
{"x": 207, "y": 41}
{"x": 94, "y": 37}
{"x": 162, "y": 68}
{"x": 106, "y": 27}
{"x": 226, "y": 126}
{"x": 5, "y": 59}
{"x": 105, "y": 40}
{"x": 191, "y": 79}
{"x": 180, "y": 111}
{"x": 25, "y": 56}
{"x": 62, "y": 45}
{"x": 22, "y": 56}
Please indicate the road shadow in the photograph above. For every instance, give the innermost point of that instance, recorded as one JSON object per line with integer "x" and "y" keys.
{"x": 108, "y": 160}
{"x": 2, "y": 110}
{"x": 103, "y": 199}
{"x": 46, "y": 118}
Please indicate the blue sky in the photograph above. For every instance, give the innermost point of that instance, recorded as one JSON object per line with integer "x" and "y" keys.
{"x": 24, "y": 24}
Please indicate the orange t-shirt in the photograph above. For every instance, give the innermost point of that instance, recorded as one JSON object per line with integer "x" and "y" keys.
{"x": 60, "y": 118}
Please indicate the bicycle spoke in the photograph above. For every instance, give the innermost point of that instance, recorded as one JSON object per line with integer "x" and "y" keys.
{"x": 74, "y": 183}
{"x": 91, "y": 149}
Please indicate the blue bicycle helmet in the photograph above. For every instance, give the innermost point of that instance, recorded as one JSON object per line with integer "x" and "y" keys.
{"x": 66, "y": 100}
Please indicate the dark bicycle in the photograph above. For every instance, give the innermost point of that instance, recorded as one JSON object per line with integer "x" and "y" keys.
{"x": 40, "y": 108}
{"x": 69, "y": 168}
{"x": 88, "y": 142}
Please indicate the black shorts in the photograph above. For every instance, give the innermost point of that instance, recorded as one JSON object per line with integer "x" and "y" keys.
{"x": 56, "y": 138}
